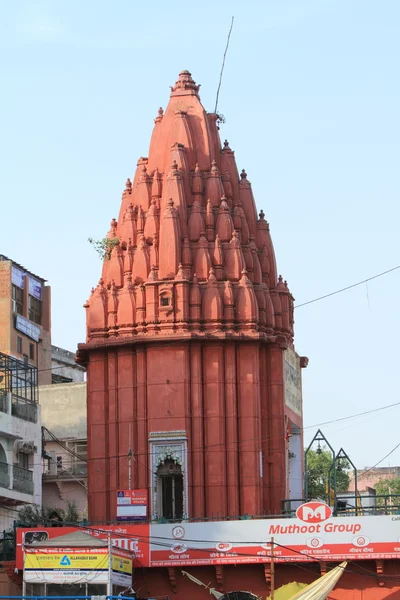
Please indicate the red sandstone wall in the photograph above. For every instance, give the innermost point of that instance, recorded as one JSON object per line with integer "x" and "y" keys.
{"x": 229, "y": 399}
{"x": 352, "y": 586}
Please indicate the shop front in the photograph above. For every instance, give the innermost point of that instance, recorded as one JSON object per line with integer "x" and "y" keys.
{"x": 76, "y": 565}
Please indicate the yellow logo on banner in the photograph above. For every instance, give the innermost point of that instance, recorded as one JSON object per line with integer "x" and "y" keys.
{"x": 73, "y": 561}
{"x": 122, "y": 565}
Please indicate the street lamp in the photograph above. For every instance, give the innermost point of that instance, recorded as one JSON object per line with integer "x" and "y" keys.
{"x": 319, "y": 437}
{"x": 342, "y": 455}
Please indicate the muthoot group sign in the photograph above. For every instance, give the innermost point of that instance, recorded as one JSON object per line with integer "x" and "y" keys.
{"x": 313, "y": 535}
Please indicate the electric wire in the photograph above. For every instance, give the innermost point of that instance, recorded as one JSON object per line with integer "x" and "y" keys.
{"x": 165, "y": 542}
{"x": 181, "y": 340}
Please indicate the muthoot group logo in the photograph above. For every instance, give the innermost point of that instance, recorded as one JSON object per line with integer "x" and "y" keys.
{"x": 314, "y": 512}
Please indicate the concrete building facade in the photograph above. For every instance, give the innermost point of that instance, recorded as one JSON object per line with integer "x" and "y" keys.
{"x": 65, "y": 444}
{"x": 20, "y": 439}
{"x": 25, "y": 317}
{"x": 64, "y": 367}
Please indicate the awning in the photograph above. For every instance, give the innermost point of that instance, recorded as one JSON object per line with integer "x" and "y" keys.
{"x": 320, "y": 588}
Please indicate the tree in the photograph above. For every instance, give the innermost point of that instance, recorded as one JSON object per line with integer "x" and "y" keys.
{"x": 32, "y": 515}
{"x": 318, "y": 465}
{"x": 387, "y": 487}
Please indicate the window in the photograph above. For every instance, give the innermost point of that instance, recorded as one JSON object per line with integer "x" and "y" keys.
{"x": 170, "y": 490}
{"x": 35, "y": 310}
{"x": 26, "y": 359}
{"x": 17, "y": 300}
{"x": 19, "y": 344}
{"x": 23, "y": 460}
{"x": 59, "y": 463}
{"x": 31, "y": 351}
{"x": 164, "y": 301}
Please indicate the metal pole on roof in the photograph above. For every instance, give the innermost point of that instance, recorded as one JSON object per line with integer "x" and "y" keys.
{"x": 109, "y": 581}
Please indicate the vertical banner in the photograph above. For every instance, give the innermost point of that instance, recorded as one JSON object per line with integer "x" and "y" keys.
{"x": 17, "y": 277}
{"x": 35, "y": 288}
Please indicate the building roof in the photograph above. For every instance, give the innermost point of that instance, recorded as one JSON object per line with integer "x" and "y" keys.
{"x": 6, "y": 259}
{"x": 77, "y": 539}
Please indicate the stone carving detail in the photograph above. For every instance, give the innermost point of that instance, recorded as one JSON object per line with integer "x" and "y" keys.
{"x": 168, "y": 452}
{"x": 184, "y": 212}
{"x": 163, "y": 446}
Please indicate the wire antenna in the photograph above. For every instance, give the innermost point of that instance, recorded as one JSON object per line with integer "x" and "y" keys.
{"x": 223, "y": 64}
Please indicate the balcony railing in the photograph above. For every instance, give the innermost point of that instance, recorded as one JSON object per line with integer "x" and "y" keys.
{"x": 5, "y": 475}
{"x": 24, "y": 409}
{"x": 16, "y": 478}
{"x": 75, "y": 471}
{"x": 3, "y": 401}
{"x": 22, "y": 480}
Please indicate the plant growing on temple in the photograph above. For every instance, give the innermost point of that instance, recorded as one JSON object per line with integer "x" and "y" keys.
{"x": 220, "y": 119}
{"x": 389, "y": 488}
{"x": 104, "y": 247}
{"x": 318, "y": 465}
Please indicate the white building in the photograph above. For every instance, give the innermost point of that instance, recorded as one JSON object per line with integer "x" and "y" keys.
{"x": 65, "y": 443}
{"x": 20, "y": 439}
{"x": 64, "y": 367}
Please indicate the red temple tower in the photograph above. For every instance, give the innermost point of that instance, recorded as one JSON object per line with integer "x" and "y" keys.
{"x": 189, "y": 349}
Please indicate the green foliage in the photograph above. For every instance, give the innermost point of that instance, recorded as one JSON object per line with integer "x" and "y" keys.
{"x": 318, "y": 465}
{"x": 32, "y": 514}
{"x": 386, "y": 487}
{"x": 220, "y": 119}
{"x": 104, "y": 247}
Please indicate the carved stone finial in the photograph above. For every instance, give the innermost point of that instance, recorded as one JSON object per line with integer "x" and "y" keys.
{"x": 128, "y": 186}
{"x": 243, "y": 174}
{"x": 185, "y": 83}
{"x": 262, "y": 215}
{"x": 160, "y": 112}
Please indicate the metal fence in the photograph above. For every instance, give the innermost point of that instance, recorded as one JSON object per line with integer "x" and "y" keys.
{"x": 348, "y": 505}
{"x": 5, "y": 475}
{"x": 24, "y": 409}
{"x": 22, "y": 480}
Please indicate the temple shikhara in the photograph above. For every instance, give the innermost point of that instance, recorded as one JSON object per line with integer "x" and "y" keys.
{"x": 194, "y": 387}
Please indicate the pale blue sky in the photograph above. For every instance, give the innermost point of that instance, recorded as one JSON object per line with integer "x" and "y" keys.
{"x": 311, "y": 99}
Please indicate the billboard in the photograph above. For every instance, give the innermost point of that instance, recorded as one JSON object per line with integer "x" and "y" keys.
{"x": 293, "y": 396}
{"x": 17, "y": 277}
{"x": 66, "y": 565}
{"x": 121, "y": 568}
{"x": 28, "y": 328}
{"x": 314, "y": 534}
{"x": 131, "y": 505}
{"x": 134, "y": 539}
{"x": 35, "y": 288}
{"x": 295, "y": 540}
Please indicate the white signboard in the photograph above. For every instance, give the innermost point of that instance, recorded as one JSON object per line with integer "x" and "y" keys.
{"x": 293, "y": 398}
{"x": 35, "y": 288}
{"x": 17, "y": 277}
{"x": 28, "y": 328}
{"x": 62, "y": 577}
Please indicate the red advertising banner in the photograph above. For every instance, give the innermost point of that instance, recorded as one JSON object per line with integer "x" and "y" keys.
{"x": 133, "y": 538}
{"x": 314, "y": 534}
